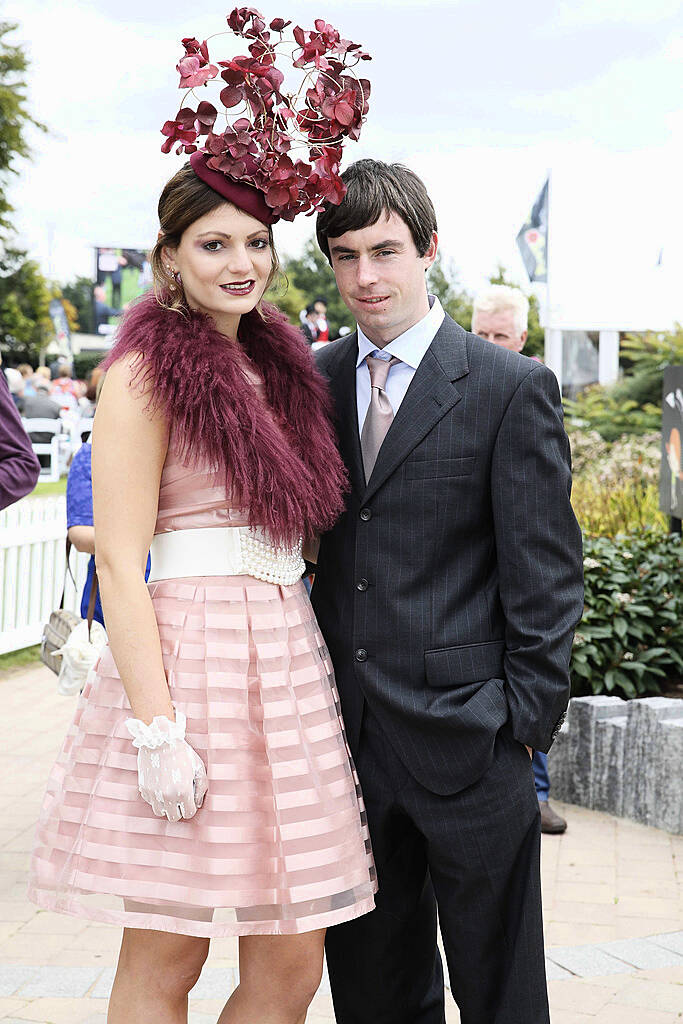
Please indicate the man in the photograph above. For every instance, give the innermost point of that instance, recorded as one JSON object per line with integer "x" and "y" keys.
{"x": 448, "y": 593}
{"x": 501, "y": 315}
{"x": 309, "y": 325}
{"x": 320, "y": 306}
{"x": 103, "y": 311}
{"x": 15, "y": 383}
{"x": 41, "y": 406}
{"x": 19, "y": 468}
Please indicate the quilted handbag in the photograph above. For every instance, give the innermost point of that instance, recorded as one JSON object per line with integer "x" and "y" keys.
{"x": 61, "y": 623}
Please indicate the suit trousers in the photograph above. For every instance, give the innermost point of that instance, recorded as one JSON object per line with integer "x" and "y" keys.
{"x": 473, "y": 856}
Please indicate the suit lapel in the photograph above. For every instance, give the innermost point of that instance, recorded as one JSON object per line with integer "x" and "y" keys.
{"x": 430, "y": 396}
{"x": 343, "y": 387}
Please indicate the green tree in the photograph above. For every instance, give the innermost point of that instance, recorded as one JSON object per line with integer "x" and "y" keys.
{"x": 312, "y": 276}
{"x": 535, "y": 342}
{"x": 79, "y": 294}
{"x": 25, "y": 324}
{"x": 14, "y": 116}
{"x": 442, "y": 280}
{"x": 288, "y": 298}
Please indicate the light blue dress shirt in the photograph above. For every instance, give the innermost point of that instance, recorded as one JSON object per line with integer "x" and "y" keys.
{"x": 409, "y": 347}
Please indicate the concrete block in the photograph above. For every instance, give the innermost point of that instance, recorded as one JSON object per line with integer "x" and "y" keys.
{"x": 215, "y": 983}
{"x": 102, "y": 989}
{"x": 622, "y": 757}
{"x": 669, "y": 940}
{"x": 560, "y": 762}
{"x": 60, "y": 982}
{"x": 642, "y": 953}
{"x": 554, "y": 972}
{"x": 668, "y": 810}
{"x": 587, "y": 961}
{"x": 644, "y": 740}
{"x": 607, "y": 789}
{"x": 12, "y": 977}
{"x": 576, "y": 775}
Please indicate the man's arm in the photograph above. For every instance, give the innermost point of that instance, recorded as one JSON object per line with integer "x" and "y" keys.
{"x": 539, "y": 552}
{"x": 19, "y": 468}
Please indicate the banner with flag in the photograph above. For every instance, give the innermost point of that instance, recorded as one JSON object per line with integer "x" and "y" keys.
{"x": 532, "y": 238}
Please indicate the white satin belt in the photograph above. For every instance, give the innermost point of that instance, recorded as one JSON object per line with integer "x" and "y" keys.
{"x": 223, "y": 551}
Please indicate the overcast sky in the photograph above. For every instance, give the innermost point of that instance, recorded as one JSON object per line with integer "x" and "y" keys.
{"x": 481, "y": 97}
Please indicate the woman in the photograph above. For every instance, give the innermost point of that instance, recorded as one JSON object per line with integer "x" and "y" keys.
{"x": 79, "y": 510}
{"x": 212, "y": 445}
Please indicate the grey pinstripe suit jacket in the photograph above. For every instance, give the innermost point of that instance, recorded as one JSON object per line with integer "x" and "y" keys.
{"x": 449, "y": 590}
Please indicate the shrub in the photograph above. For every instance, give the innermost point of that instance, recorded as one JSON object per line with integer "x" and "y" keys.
{"x": 631, "y": 635}
{"x": 616, "y": 487}
{"x": 632, "y": 404}
{"x": 628, "y": 507}
{"x": 598, "y": 408}
{"x": 85, "y": 362}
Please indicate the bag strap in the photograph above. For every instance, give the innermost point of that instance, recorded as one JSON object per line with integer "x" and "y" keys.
{"x": 91, "y": 600}
{"x": 68, "y": 571}
{"x": 93, "y": 589}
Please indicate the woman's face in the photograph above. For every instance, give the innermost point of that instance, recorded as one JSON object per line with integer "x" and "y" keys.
{"x": 224, "y": 260}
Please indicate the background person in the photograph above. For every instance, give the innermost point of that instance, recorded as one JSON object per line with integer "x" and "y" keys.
{"x": 27, "y": 372}
{"x": 309, "y": 325}
{"x": 40, "y": 406}
{"x": 64, "y": 390}
{"x": 103, "y": 311}
{"x": 500, "y": 314}
{"x": 15, "y": 382}
{"x": 79, "y": 514}
{"x": 320, "y": 307}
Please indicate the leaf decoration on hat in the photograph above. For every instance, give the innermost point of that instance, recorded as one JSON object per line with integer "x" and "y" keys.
{"x": 269, "y": 124}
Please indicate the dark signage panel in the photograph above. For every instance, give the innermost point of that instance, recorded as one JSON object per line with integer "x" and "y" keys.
{"x": 671, "y": 476}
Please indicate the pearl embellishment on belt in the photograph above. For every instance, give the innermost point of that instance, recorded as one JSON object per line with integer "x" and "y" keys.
{"x": 264, "y": 561}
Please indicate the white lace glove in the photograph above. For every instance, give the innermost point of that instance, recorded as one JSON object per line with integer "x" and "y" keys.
{"x": 171, "y": 775}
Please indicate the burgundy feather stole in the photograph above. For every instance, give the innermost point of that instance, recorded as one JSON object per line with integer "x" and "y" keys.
{"x": 197, "y": 379}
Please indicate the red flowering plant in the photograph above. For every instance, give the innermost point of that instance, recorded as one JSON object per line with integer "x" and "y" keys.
{"x": 330, "y": 105}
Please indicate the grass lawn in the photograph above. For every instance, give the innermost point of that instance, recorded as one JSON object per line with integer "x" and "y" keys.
{"x": 19, "y": 659}
{"x": 49, "y": 488}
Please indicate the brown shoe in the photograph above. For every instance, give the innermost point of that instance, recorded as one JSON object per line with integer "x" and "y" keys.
{"x": 551, "y": 822}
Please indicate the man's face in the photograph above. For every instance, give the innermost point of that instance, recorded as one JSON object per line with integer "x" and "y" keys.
{"x": 381, "y": 277}
{"x": 500, "y": 329}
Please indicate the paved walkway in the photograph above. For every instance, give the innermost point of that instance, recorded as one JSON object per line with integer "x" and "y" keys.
{"x": 612, "y": 890}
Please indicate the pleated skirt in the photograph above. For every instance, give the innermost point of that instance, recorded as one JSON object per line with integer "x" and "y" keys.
{"x": 281, "y": 844}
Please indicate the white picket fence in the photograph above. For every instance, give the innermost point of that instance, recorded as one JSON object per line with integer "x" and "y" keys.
{"x": 32, "y": 570}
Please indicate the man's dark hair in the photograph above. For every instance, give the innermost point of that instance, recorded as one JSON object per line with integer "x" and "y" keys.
{"x": 373, "y": 189}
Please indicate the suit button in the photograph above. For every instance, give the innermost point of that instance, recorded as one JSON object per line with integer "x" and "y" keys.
{"x": 366, "y": 514}
{"x": 362, "y": 585}
{"x": 361, "y": 655}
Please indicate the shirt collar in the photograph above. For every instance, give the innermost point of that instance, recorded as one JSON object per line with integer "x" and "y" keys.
{"x": 411, "y": 346}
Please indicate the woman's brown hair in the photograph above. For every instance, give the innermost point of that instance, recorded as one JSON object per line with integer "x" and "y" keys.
{"x": 184, "y": 200}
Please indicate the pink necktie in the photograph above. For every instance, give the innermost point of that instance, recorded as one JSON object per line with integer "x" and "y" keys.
{"x": 380, "y": 414}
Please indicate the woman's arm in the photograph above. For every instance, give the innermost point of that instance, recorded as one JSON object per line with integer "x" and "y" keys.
{"x": 82, "y": 538}
{"x": 129, "y": 448}
{"x": 79, "y": 519}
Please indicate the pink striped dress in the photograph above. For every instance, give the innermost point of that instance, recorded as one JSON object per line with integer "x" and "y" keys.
{"x": 281, "y": 843}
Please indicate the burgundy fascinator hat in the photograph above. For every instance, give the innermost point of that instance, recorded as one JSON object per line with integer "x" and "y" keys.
{"x": 249, "y": 158}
